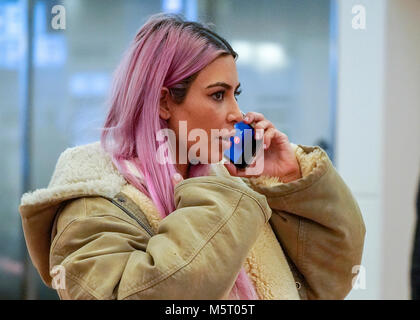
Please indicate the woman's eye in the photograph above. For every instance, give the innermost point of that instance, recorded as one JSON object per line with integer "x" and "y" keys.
{"x": 218, "y": 95}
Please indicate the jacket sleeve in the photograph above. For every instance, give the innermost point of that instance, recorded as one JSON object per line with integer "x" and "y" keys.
{"x": 196, "y": 254}
{"x": 318, "y": 222}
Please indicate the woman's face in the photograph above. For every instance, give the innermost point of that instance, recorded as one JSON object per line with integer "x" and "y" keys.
{"x": 210, "y": 103}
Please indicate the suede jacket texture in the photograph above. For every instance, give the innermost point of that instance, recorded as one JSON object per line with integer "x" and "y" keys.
{"x": 296, "y": 240}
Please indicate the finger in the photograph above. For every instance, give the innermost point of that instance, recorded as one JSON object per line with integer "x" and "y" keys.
{"x": 233, "y": 170}
{"x": 279, "y": 137}
{"x": 269, "y": 135}
{"x": 262, "y": 125}
{"x": 282, "y": 137}
{"x": 176, "y": 178}
{"x": 251, "y": 116}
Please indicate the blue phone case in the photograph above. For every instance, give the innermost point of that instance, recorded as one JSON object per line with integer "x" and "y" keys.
{"x": 242, "y": 152}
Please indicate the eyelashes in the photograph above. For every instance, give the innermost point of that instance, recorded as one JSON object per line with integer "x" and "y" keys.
{"x": 221, "y": 94}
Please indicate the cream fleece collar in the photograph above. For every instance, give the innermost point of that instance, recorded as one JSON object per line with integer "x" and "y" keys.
{"x": 81, "y": 170}
{"x": 85, "y": 170}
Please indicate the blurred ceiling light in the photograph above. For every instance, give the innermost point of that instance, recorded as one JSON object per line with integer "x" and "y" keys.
{"x": 172, "y": 6}
{"x": 11, "y": 35}
{"x": 89, "y": 84}
{"x": 50, "y": 50}
{"x": 263, "y": 56}
{"x": 270, "y": 56}
{"x": 244, "y": 50}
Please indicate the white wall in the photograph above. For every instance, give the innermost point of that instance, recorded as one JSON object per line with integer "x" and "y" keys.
{"x": 377, "y": 143}
{"x": 401, "y": 145}
{"x": 359, "y": 125}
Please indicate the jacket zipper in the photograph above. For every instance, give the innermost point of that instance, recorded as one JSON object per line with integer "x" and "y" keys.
{"x": 150, "y": 232}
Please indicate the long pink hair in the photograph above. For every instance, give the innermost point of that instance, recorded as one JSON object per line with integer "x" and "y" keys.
{"x": 166, "y": 51}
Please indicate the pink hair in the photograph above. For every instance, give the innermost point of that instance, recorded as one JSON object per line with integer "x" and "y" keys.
{"x": 166, "y": 51}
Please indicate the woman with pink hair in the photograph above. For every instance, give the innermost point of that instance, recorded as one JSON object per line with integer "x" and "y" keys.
{"x": 122, "y": 224}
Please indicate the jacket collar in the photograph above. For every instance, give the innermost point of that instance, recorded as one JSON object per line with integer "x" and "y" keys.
{"x": 82, "y": 170}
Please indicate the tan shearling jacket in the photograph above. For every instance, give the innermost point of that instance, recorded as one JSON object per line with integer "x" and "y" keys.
{"x": 296, "y": 240}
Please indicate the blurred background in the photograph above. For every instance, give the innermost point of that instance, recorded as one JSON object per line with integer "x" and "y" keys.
{"x": 344, "y": 75}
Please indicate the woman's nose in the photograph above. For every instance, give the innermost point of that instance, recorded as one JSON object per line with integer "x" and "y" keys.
{"x": 236, "y": 116}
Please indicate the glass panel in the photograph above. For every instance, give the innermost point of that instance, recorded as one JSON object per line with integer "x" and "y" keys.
{"x": 11, "y": 267}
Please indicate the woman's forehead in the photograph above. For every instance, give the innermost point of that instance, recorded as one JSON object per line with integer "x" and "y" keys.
{"x": 222, "y": 69}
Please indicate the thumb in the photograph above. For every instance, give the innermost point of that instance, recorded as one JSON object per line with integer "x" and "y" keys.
{"x": 176, "y": 178}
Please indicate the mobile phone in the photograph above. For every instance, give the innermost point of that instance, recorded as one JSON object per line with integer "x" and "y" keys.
{"x": 244, "y": 146}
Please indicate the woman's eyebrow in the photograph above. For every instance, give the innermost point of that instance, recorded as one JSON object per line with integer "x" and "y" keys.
{"x": 223, "y": 84}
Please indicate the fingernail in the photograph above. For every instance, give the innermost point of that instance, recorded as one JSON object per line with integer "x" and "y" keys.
{"x": 246, "y": 119}
{"x": 177, "y": 177}
{"x": 265, "y": 146}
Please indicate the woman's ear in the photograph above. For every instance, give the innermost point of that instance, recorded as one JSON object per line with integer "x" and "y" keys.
{"x": 164, "y": 110}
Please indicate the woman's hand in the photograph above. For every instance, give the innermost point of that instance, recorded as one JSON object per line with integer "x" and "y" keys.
{"x": 279, "y": 156}
{"x": 176, "y": 178}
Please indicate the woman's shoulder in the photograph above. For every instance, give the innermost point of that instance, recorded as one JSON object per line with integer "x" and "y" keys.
{"x": 81, "y": 172}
